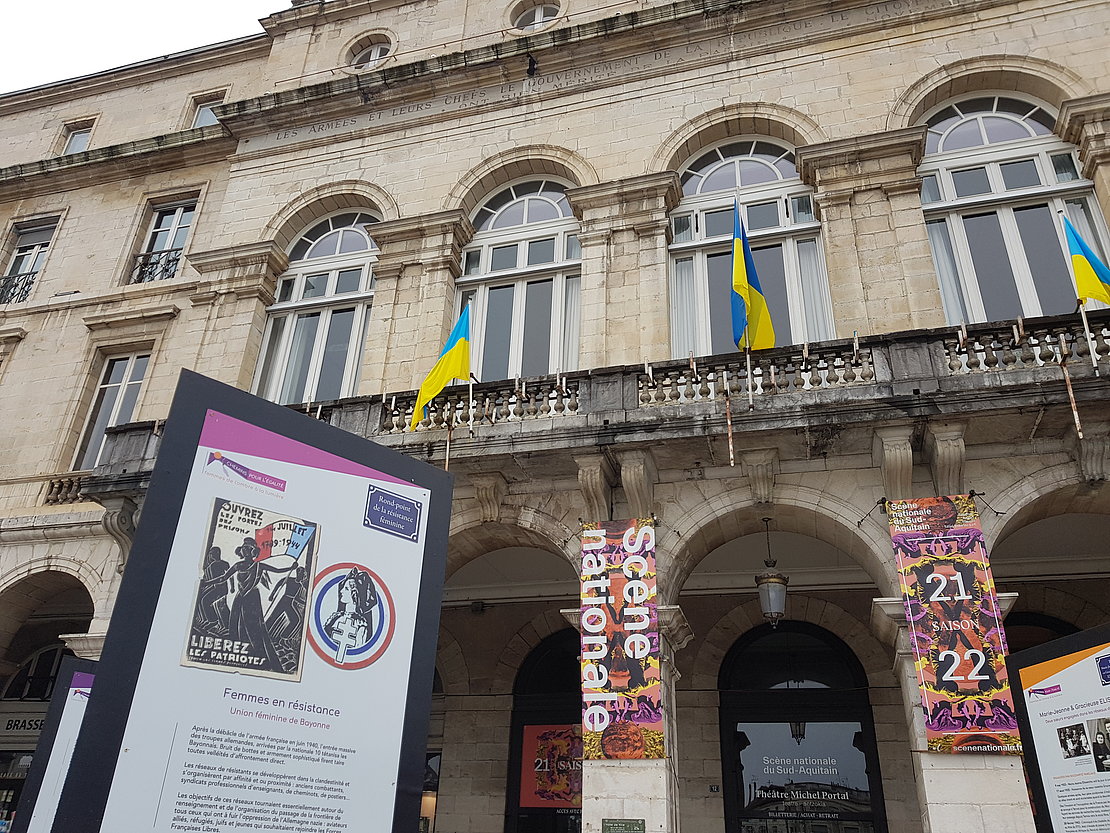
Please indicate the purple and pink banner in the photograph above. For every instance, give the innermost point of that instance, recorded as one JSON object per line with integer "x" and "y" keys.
{"x": 621, "y": 713}
{"x": 955, "y": 625}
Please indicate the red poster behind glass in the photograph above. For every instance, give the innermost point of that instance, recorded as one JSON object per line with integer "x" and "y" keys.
{"x": 551, "y": 766}
{"x": 955, "y": 626}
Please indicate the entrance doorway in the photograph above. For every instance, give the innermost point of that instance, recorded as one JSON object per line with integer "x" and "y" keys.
{"x": 797, "y": 736}
{"x": 545, "y": 746}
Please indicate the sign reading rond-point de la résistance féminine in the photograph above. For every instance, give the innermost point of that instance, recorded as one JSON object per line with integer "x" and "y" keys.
{"x": 1064, "y": 713}
{"x": 954, "y": 625}
{"x": 270, "y": 657}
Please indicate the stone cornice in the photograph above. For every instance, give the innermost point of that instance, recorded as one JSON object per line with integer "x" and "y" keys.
{"x": 155, "y": 69}
{"x": 127, "y": 317}
{"x": 651, "y": 193}
{"x": 451, "y": 223}
{"x": 1085, "y": 122}
{"x": 1076, "y": 114}
{"x": 306, "y": 13}
{"x": 842, "y": 160}
{"x": 172, "y": 151}
{"x": 132, "y": 293}
{"x": 265, "y": 255}
{"x": 11, "y": 335}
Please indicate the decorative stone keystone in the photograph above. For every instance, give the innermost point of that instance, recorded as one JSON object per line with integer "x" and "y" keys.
{"x": 638, "y": 476}
{"x": 759, "y": 466}
{"x": 892, "y": 452}
{"x": 489, "y": 491}
{"x": 596, "y": 478}
{"x": 944, "y": 448}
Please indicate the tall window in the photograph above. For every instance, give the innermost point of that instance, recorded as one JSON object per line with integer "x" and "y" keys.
{"x": 31, "y": 246}
{"x": 317, "y": 325}
{"x": 114, "y": 404}
{"x": 784, "y": 235}
{"x": 36, "y": 675}
{"x": 994, "y": 180}
{"x": 161, "y": 254}
{"x": 521, "y": 275}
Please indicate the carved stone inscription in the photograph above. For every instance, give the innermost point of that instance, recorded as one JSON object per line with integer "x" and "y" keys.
{"x": 640, "y": 66}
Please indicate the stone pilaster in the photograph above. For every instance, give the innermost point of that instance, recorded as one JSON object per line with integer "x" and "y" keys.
{"x": 641, "y": 789}
{"x": 239, "y": 284}
{"x": 1085, "y": 122}
{"x": 624, "y": 233}
{"x": 414, "y": 298}
{"x": 881, "y": 273}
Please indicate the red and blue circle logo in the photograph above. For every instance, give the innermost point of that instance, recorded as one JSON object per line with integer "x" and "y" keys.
{"x": 353, "y": 617}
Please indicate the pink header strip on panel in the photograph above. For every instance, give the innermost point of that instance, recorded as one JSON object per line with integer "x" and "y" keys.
{"x": 229, "y": 434}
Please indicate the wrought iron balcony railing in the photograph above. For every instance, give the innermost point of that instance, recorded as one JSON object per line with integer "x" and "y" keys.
{"x": 156, "y": 266}
{"x": 15, "y": 289}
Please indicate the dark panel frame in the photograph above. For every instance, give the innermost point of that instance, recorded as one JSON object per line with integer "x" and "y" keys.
{"x": 85, "y": 794}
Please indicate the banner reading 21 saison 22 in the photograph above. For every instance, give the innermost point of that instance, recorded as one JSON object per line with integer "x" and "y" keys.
{"x": 621, "y": 714}
{"x": 955, "y": 625}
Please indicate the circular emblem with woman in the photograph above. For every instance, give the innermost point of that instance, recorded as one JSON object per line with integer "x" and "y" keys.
{"x": 352, "y": 616}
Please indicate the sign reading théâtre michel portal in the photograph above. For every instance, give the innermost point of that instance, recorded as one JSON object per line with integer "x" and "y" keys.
{"x": 270, "y": 658}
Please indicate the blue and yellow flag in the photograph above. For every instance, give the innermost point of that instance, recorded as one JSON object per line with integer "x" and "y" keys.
{"x": 454, "y": 363}
{"x": 1092, "y": 278}
{"x": 751, "y": 319}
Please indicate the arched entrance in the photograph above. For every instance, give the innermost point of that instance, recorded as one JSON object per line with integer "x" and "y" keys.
{"x": 797, "y": 736}
{"x": 545, "y": 742}
{"x": 34, "y": 614}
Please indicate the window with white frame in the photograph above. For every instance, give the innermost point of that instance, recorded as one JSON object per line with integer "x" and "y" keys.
{"x": 521, "y": 277}
{"x": 164, "y": 243}
{"x": 535, "y": 16}
{"x": 370, "y": 51}
{"x": 114, "y": 404}
{"x": 312, "y": 347}
{"x": 994, "y": 181}
{"x": 76, "y": 137}
{"x": 202, "y": 109}
{"x": 783, "y": 233}
{"x": 31, "y": 245}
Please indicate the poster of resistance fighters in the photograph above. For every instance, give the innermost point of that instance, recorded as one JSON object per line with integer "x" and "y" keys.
{"x": 270, "y": 658}
{"x": 1064, "y": 713}
{"x": 955, "y": 626}
{"x": 621, "y": 714}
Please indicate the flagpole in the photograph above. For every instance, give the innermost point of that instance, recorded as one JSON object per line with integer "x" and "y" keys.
{"x": 748, "y": 359}
{"x": 447, "y": 454}
{"x": 1087, "y": 334}
{"x": 1082, "y": 302}
{"x": 1067, "y": 382}
{"x": 728, "y": 420}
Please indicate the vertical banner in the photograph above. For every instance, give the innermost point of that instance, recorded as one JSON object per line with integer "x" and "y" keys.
{"x": 621, "y": 713}
{"x": 269, "y": 661}
{"x": 1064, "y": 714}
{"x": 955, "y": 626}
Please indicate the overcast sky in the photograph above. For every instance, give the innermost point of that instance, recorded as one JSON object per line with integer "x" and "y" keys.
{"x": 50, "y": 40}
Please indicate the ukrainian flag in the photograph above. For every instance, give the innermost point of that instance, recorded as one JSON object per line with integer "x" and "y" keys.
{"x": 751, "y": 319}
{"x": 454, "y": 363}
{"x": 1092, "y": 278}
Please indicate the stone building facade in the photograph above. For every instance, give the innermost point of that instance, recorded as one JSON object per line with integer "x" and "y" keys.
{"x": 302, "y": 213}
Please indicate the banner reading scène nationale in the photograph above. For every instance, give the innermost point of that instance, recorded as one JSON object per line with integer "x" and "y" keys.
{"x": 955, "y": 625}
{"x": 621, "y": 713}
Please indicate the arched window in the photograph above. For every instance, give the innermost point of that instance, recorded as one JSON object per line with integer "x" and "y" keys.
{"x": 35, "y": 677}
{"x": 797, "y": 734}
{"x": 994, "y": 180}
{"x": 521, "y": 275}
{"x": 317, "y": 324}
{"x": 783, "y": 233}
